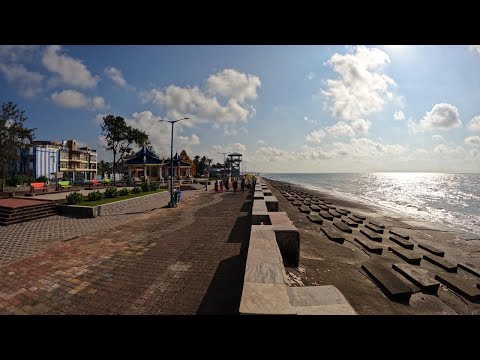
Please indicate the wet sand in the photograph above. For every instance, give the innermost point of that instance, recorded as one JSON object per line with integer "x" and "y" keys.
{"x": 323, "y": 262}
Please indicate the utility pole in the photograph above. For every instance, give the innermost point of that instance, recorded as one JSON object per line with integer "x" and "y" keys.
{"x": 223, "y": 167}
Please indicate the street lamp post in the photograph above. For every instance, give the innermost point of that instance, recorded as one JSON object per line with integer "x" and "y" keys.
{"x": 171, "y": 204}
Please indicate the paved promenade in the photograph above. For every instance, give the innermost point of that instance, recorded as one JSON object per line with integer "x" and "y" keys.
{"x": 187, "y": 260}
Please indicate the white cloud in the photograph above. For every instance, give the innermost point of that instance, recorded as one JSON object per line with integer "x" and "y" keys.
{"x": 474, "y": 152}
{"x": 313, "y": 153}
{"x": 310, "y": 76}
{"x": 116, "y": 76}
{"x": 316, "y": 136}
{"x": 474, "y": 124}
{"x": 340, "y": 129}
{"x": 444, "y": 150}
{"x": 203, "y": 106}
{"x": 442, "y": 117}
{"x": 17, "y": 52}
{"x": 363, "y": 88}
{"x": 363, "y": 148}
{"x": 475, "y": 49}
{"x": 260, "y": 142}
{"x": 189, "y": 140}
{"x": 231, "y": 83}
{"x": 438, "y": 138}
{"x": 399, "y": 115}
{"x": 237, "y": 147}
{"x": 232, "y": 129}
{"x": 76, "y": 99}
{"x": 361, "y": 126}
{"x": 272, "y": 154}
{"x": 473, "y": 141}
{"x": 28, "y": 82}
{"x": 72, "y": 71}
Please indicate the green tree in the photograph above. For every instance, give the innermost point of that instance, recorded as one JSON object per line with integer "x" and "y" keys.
{"x": 120, "y": 137}
{"x": 14, "y": 136}
{"x": 196, "y": 161}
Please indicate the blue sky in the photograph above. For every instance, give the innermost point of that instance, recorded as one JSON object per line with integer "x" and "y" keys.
{"x": 286, "y": 108}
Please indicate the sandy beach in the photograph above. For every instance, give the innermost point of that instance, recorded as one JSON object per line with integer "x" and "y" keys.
{"x": 324, "y": 262}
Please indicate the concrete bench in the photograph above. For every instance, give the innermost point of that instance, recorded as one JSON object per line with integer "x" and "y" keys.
{"x": 409, "y": 256}
{"x": 418, "y": 276}
{"x": 406, "y": 237}
{"x": 388, "y": 282}
{"x": 271, "y": 202}
{"x": 403, "y": 243}
{"x": 260, "y": 212}
{"x": 371, "y": 235}
{"x": 441, "y": 262}
{"x": 432, "y": 250}
{"x": 370, "y": 246}
{"x": 460, "y": 286}
{"x": 38, "y": 186}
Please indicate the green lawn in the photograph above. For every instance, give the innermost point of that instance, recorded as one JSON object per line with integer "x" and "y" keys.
{"x": 110, "y": 200}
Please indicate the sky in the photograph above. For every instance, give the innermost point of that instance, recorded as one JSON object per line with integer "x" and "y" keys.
{"x": 309, "y": 108}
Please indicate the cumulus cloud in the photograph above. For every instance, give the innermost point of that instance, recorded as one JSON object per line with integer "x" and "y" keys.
{"x": 237, "y": 147}
{"x": 273, "y": 154}
{"x": 76, "y": 99}
{"x": 473, "y": 141}
{"x": 474, "y": 124}
{"x": 438, "y": 138}
{"x": 474, "y": 152}
{"x": 361, "y": 126}
{"x": 117, "y": 77}
{"x": 71, "y": 71}
{"x": 316, "y": 136}
{"x": 313, "y": 153}
{"x": 231, "y": 83}
{"x": 442, "y": 117}
{"x": 399, "y": 115}
{"x": 232, "y": 129}
{"x": 444, "y": 150}
{"x": 28, "y": 82}
{"x": 260, "y": 142}
{"x": 363, "y": 88}
{"x": 189, "y": 140}
{"x": 17, "y": 52}
{"x": 310, "y": 76}
{"x": 203, "y": 106}
{"x": 475, "y": 49}
{"x": 364, "y": 147}
{"x": 358, "y": 127}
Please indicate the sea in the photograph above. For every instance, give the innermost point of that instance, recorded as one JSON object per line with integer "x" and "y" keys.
{"x": 450, "y": 199}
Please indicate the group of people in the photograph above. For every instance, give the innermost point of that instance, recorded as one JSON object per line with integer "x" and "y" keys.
{"x": 220, "y": 185}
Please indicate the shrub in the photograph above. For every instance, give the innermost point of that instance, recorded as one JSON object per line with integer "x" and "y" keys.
{"x": 42, "y": 179}
{"x": 145, "y": 187}
{"x": 154, "y": 186}
{"x": 95, "y": 195}
{"x": 136, "y": 190}
{"x": 74, "y": 198}
{"x": 111, "y": 192}
{"x": 123, "y": 192}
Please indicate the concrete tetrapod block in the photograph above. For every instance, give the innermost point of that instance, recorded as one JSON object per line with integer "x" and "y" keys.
{"x": 271, "y": 202}
{"x": 342, "y": 226}
{"x": 319, "y": 300}
{"x": 371, "y": 235}
{"x": 406, "y": 237}
{"x": 403, "y": 243}
{"x": 377, "y": 224}
{"x": 334, "y": 214}
{"x": 418, "y": 276}
{"x": 388, "y": 282}
{"x": 326, "y": 215}
{"x": 374, "y": 228}
{"x": 370, "y": 246}
{"x": 460, "y": 286}
{"x": 432, "y": 250}
{"x": 409, "y": 256}
{"x": 350, "y": 222}
{"x": 358, "y": 221}
{"x": 305, "y": 209}
{"x": 314, "y": 208}
{"x": 441, "y": 262}
{"x": 314, "y": 217}
{"x": 470, "y": 269}
{"x": 333, "y": 235}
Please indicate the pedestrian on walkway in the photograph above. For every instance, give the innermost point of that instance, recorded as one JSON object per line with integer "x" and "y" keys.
{"x": 235, "y": 185}
{"x": 226, "y": 185}
{"x": 216, "y": 185}
{"x": 221, "y": 186}
{"x": 242, "y": 185}
{"x": 175, "y": 197}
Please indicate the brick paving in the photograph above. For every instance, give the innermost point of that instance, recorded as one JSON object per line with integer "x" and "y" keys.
{"x": 188, "y": 260}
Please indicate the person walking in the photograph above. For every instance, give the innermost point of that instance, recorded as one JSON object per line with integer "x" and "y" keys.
{"x": 221, "y": 186}
{"x": 235, "y": 185}
{"x": 216, "y": 185}
{"x": 175, "y": 197}
{"x": 226, "y": 185}
{"x": 242, "y": 185}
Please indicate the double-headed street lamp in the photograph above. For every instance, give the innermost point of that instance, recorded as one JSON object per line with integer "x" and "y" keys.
{"x": 171, "y": 203}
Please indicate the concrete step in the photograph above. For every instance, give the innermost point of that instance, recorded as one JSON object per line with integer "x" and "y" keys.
{"x": 350, "y": 222}
{"x": 341, "y": 212}
{"x": 326, "y": 215}
{"x": 371, "y": 235}
{"x": 335, "y": 214}
{"x": 342, "y": 226}
{"x": 406, "y": 237}
{"x": 370, "y": 246}
{"x": 377, "y": 224}
{"x": 358, "y": 221}
{"x": 28, "y": 218}
{"x": 304, "y": 209}
{"x": 323, "y": 207}
{"x": 469, "y": 269}
{"x": 418, "y": 276}
{"x": 409, "y": 256}
{"x": 360, "y": 217}
{"x": 297, "y": 203}
{"x": 346, "y": 210}
{"x": 315, "y": 218}
{"x": 374, "y": 228}
{"x": 331, "y": 207}
{"x": 460, "y": 286}
{"x": 441, "y": 262}
{"x": 403, "y": 243}
{"x": 333, "y": 235}
{"x": 291, "y": 198}
{"x": 432, "y": 250}
{"x": 388, "y": 281}
{"x": 314, "y": 208}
